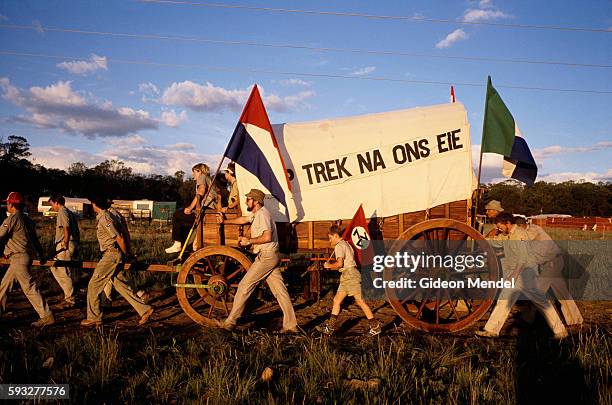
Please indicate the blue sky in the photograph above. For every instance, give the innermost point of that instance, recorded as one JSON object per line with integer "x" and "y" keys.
{"x": 86, "y": 97}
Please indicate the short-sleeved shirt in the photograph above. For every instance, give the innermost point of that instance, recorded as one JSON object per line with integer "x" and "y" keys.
{"x": 120, "y": 222}
{"x": 345, "y": 251}
{"x": 543, "y": 246}
{"x": 262, "y": 221}
{"x": 106, "y": 230}
{"x": 20, "y": 231}
{"x": 66, "y": 219}
{"x": 517, "y": 249}
{"x": 203, "y": 180}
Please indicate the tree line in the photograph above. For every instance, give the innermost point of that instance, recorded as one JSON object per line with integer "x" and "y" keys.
{"x": 117, "y": 181}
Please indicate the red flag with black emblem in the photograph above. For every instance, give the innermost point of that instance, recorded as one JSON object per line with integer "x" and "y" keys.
{"x": 358, "y": 236}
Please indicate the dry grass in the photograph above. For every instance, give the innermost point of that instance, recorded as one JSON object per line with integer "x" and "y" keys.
{"x": 217, "y": 368}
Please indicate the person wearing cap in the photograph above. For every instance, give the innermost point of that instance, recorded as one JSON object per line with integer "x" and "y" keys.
{"x": 114, "y": 248}
{"x": 233, "y": 201}
{"x": 519, "y": 266}
{"x": 19, "y": 232}
{"x": 264, "y": 241}
{"x": 66, "y": 243}
{"x": 550, "y": 261}
{"x": 492, "y": 209}
{"x": 182, "y": 220}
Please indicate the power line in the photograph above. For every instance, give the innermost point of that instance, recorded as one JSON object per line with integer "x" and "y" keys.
{"x": 376, "y": 16}
{"x": 304, "y": 74}
{"x": 303, "y": 47}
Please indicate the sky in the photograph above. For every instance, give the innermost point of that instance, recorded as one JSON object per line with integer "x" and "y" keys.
{"x": 160, "y": 84}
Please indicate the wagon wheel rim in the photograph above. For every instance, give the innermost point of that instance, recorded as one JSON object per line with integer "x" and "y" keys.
{"x": 441, "y": 311}
{"x": 218, "y": 267}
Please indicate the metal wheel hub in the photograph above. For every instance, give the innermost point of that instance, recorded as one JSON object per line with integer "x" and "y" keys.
{"x": 217, "y": 285}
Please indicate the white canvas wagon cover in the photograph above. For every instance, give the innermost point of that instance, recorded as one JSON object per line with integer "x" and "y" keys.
{"x": 392, "y": 163}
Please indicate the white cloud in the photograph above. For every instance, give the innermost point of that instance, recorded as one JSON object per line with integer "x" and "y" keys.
{"x": 84, "y": 67}
{"x": 363, "y": 71}
{"x": 295, "y": 82}
{"x": 172, "y": 119}
{"x": 58, "y": 106}
{"x": 207, "y": 97}
{"x": 476, "y": 15}
{"x": 554, "y": 150}
{"x": 149, "y": 91}
{"x": 134, "y": 151}
{"x": 485, "y": 3}
{"x": 492, "y": 165}
{"x": 456, "y": 35}
{"x": 592, "y": 177}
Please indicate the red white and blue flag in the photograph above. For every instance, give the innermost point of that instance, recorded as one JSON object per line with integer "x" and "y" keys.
{"x": 520, "y": 165}
{"x": 253, "y": 146}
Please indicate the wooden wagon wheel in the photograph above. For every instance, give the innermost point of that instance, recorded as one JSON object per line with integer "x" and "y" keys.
{"x": 440, "y": 310}
{"x": 207, "y": 282}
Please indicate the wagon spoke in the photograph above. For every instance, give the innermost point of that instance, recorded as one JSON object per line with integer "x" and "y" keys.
{"x": 212, "y": 268}
{"x": 421, "y": 307}
{"x": 437, "y": 307}
{"x": 225, "y": 305}
{"x": 452, "y": 305}
{"x": 222, "y": 271}
{"x": 232, "y": 275}
{"x": 212, "y": 307}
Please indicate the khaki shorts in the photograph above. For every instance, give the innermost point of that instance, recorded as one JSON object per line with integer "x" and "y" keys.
{"x": 350, "y": 282}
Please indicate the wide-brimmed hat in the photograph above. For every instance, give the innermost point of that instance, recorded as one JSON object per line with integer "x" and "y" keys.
{"x": 494, "y": 205}
{"x": 14, "y": 198}
{"x": 256, "y": 195}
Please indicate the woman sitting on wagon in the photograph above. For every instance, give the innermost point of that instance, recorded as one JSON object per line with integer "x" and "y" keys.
{"x": 182, "y": 220}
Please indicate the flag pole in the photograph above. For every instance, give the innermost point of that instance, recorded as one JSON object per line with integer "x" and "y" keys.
{"x": 484, "y": 121}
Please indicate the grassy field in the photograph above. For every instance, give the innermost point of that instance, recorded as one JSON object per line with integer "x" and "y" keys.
{"x": 401, "y": 367}
{"x": 185, "y": 363}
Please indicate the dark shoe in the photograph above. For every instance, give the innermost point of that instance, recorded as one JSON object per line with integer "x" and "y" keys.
{"x": 145, "y": 317}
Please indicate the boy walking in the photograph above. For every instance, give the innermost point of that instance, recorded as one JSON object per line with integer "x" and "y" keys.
{"x": 350, "y": 283}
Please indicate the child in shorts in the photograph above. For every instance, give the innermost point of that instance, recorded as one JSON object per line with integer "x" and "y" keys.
{"x": 350, "y": 282}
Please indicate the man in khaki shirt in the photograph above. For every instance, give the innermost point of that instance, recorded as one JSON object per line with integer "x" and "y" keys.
{"x": 19, "y": 232}
{"x": 264, "y": 241}
{"x": 519, "y": 265}
{"x": 550, "y": 261}
{"x": 66, "y": 243}
{"x": 114, "y": 248}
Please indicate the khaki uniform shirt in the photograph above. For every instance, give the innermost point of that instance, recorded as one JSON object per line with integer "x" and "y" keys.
{"x": 120, "y": 222}
{"x": 66, "y": 219}
{"x": 517, "y": 250}
{"x": 106, "y": 230}
{"x": 345, "y": 251}
{"x": 262, "y": 221}
{"x": 20, "y": 231}
{"x": 544, "y": 248}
